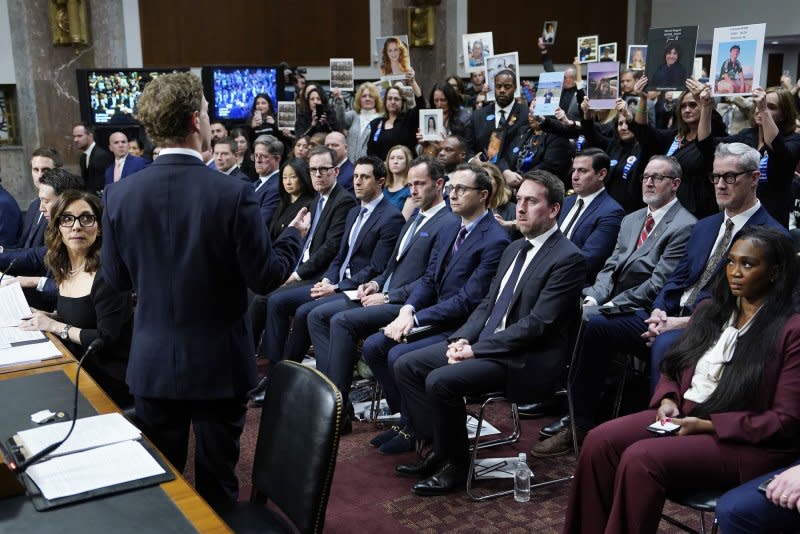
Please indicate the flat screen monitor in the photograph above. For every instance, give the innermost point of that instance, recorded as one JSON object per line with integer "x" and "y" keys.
{"x": 109, "y": 96}
{"x": 231, "y": 90}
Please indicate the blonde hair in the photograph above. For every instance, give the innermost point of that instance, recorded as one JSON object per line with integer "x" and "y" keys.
{"x": 370, "y": 88}
{"x": 501, "y": 194}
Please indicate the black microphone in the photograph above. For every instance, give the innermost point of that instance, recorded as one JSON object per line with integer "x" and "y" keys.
{"x": 10, "y": 266}
{"x": 95, "y": 346}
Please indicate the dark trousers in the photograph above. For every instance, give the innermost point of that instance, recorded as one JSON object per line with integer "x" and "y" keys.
{"x": 335, "y": 328}
{"x": 433, "y": 394}
{"x": 744, "y": 510}
{"x": 381, "y": 353}
{"x": 280, "y": 306}
{"x": 625, "y": 472}
{"x": 217, "y": 425}
{"x": 661, "y": 346}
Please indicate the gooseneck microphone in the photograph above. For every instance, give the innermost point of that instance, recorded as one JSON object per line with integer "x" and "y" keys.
{"x": 95, "y": 346}
{"x": 10, "y": 266}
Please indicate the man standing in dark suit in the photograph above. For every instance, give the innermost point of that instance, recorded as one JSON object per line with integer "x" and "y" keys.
{"x": 337, "y": 142}
{"x": 267, "y": 153}
{"x": 495, "y": 125}
{"x": 456, "y": 279}
{"x": 371, "y": 230}
{"x": 125, "y": 163}
{"x": 591, "y": 218}
{"x": 651, "y": 242}
{"x": 336, "y": 326}
{"x": 516, "y": 341}
{"x": 191, "y": 361}
{"x": 94, "y": 158}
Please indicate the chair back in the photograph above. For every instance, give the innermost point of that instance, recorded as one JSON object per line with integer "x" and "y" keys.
{"x": 297, "y": 443}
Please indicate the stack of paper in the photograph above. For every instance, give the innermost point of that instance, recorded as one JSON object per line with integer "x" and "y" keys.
{"x": 20, "y": 346}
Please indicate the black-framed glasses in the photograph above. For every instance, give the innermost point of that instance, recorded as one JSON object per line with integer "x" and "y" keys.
{"x": 728, "y": 177}
{"x": 319, "y": 170}
{"x": 657, "y": 178}
{"x": 86, "y": 220}
{"x": 459, "y": 189}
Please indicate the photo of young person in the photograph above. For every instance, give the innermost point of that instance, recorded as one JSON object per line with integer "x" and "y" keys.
{"x": 395, "y": 59}
{"x": 587, "y": 49}
{"x": 636, "y": 55}
{"x": 670, "y": 57}
{"x": 603, "y": 84}
{"x": 476, "y": 48}
{"x": 608, "y": 52}
{"x": 431, "y": 124}
{"x": 736, "y": 56}
{"x": 549, "y": 31}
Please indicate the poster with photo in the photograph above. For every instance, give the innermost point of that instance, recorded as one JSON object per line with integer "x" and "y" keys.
{"x": 602, "y": 81}
{"x": 636, "y": 56}
{"x": 341, "y": 73}
{"x": 587, "y": 49}
{"x": 431, "y": 124}
{"x": 736, "y": 56}
{"x": 394, "y": 58}
{"x": 670, "y": 57}
{"x": 608, "y": 52}
{"x": 494, "y": 64}
{"x": 287, "y": 114}
{"x": 476, "y": 48}
{"x": 548, "y": 93}
{"x": 549, "y": 31}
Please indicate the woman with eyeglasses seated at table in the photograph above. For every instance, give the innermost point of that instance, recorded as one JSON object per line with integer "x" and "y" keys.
{"x": 87, "y": 308}
{"x": 731, "y": 384}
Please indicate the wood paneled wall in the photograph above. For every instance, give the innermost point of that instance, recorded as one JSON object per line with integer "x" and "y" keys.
{"x": 517, "y": 25}
{"x": 247, "y": 32}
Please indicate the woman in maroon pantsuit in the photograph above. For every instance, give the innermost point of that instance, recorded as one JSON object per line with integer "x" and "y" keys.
{"x": 732, "y": 383}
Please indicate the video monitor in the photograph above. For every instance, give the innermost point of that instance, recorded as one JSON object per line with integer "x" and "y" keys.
{"x": 109, "y": 96}
{"x": 231, "y": 90}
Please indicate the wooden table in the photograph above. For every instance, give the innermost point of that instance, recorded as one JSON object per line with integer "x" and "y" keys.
{"x": 196, "y": 510}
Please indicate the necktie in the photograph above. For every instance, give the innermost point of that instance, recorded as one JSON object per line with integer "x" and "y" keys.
{"x": 502, "y": 122}
{"x": 713, "y": 261}
{"x": 352, "y": 241}
{"x": 307, "y": 246}
{"x": 579, "y": 205}
{"x": 648, "y": 227}
{"x": 84, "y": 162}
{"x": 118, "y": 169}
{"x": 407, "y": 239}
{"x": 501, "y": 305}
{"x": 462, "y": 235}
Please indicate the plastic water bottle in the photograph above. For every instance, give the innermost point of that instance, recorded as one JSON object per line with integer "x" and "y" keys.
{"x": 522, "y": 480}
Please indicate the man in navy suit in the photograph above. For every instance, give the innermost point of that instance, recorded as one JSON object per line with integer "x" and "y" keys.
{"x": 267, "y": 153}
{"x": 689, "y": 283}
{"x": 225, "y": 158}
{"x": 456, "y": 279}
{"x": 94, "y": 158}
{"x": 337, "y": 142}
{"x": 591, "y": 218}
{"x": 336, "y": 326}
{"x": 191, "y": 361}
{"x": 125, "y": 163}
{"x": 371, "y": 230}
{"x": 516, "y": 340}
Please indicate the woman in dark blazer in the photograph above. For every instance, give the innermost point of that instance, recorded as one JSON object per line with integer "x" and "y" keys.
{"x": 731, "y": 384}
{"x": 295, "y": 193}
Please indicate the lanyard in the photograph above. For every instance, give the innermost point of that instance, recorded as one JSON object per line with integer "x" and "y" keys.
{"x": 676, "y": 144}
{"x": 378, "y": 132}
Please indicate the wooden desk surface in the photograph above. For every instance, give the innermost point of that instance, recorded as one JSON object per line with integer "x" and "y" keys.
{"x": 196, "y": 510}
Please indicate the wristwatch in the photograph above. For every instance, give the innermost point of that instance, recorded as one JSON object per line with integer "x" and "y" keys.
{"x": 64, "y": 334}
{"x": 386, "y": 298}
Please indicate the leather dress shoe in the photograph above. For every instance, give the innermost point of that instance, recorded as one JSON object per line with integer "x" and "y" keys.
{"x": 385, "y": 436}
{"x": 422, "y": 469}
{"x": 402, "y": 442}
{"x": 258, "y": 393}
{"x": 558, "y": 445}
{"x": 450, "y": 478}
{"x": 555, "y": 427}
{"x": 538, "y": 409}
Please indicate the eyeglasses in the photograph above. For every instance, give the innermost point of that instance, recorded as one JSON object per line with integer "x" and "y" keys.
{"x": 459, "y": 190}
{"x": 657, "y": 178}
{"x": 259, "y": 157}
{"x": 86, "y": 220}
{"x": 319, "y": 170}
{"x": 728, "y": 177}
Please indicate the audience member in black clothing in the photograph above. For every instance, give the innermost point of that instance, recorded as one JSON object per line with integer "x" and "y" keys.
{"x": 772, "y": 135}
{"x": 262, "y": 117}
{"x": 244, "y": 158}
{"x": 295, "y": 191}
{"x": 301, "y": 147}
{"x": 320, "y": 115}
{"x": 444, "y": 97}
{"x": 534, "y": 149}
{"x": 696, "y": 193}
{"x": 397, "y": 127}
{"x": 87, "y": 307}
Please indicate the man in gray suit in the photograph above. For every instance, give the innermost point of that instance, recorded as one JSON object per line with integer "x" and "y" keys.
{"x": 650, "y": 243}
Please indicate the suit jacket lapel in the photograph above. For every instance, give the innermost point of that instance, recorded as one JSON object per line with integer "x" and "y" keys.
{"x": 633, "y": 237}
{"x": 588, "y": 210}
{"x": 474, "y": 237}
{"x": 376, "y": 214}
{"x": 533, "y": 266}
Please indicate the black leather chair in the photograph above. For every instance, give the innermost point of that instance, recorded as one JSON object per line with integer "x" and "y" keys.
{"x": 295, "y": 456}
{"x": 703, "y": 501}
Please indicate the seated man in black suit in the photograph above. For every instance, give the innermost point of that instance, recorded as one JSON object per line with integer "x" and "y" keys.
{"x": 335, "y": 327}
{"x": 267, "y": 154}
{"x": 337, "y": 142}
{"x": 516, "y": 341}
{"x": 226, "y": 160}
{"x": 94, "y": 158}
{"x": 456, "y": 279}
{"x": 371, "y": 230}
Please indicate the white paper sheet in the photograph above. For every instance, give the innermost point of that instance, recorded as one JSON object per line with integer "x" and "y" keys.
{"x": 33, "y": 352}
{"x": 90, "y": 432}
{"x": 93, "y": 469}
{"x": 13, "y": 306}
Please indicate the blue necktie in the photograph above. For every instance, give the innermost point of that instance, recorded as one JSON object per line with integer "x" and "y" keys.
{"x": 407, "y": 243}
{"x": 500, "y": 308}
{"x": 317, "y": 215}
{"x": 351, "y": 242}
{"x": 462, "y": 235}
